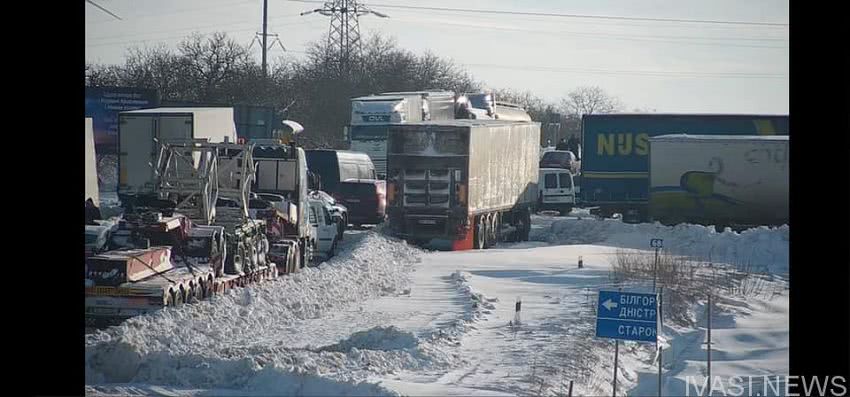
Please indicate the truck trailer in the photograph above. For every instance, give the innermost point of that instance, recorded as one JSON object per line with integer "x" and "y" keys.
{"x": 722, "y": 180}
{"x": 615, "y": 155}
{"x": 462, "y": 184}
{"x": 177, "y": 243}
{"x": 142, "y": 132}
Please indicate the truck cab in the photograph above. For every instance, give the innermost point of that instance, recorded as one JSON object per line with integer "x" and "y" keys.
{"x": 557, "y": 190}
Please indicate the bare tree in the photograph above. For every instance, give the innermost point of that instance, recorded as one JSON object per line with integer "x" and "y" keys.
{"x": 212, "y": 60}
{"x": 589, "y": 100}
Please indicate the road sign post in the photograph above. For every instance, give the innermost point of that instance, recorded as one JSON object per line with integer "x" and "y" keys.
{"x": 626, "y": 316}
{"x": 656, "y": 243}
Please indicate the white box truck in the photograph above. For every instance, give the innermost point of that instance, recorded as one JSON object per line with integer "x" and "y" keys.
{"x": 91, "y": 165}
{"x": 139, "y": 132}
{"x": 722, "y": 180}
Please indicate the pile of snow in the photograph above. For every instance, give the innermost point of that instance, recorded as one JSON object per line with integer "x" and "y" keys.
{"x": 378, "y": 338}
{"x": 227, "y": 341}
{"x": 480, "y": 304}
{"x": 764, "y": 248}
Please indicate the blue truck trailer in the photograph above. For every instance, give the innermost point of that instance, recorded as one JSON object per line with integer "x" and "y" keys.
{"x": 615, "y": 153}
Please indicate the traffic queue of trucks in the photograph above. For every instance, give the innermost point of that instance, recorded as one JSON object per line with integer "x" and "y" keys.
{"x": 205, "y": 211}
{"x": 616, "y": 154}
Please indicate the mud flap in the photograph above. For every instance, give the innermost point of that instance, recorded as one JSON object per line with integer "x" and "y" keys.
{"x": 465, "y": 243}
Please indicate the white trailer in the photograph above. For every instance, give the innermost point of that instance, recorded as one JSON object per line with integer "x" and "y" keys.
{"x": 721, "y": 180}
{"x": 92, "y": 191}
{"x": 141, "y": 132}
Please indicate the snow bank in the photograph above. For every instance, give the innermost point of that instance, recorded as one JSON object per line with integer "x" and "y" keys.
{"x": 764, "y": 248}
{"x": 378, "y": 338}
{"x": 227, "y": 341}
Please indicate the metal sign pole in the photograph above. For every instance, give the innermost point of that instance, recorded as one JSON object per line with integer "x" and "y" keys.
{"x": 661, "y": 324}
{"x": 655, "y": 271}
{"x": 616, "y": 354}
{"x": 709, "y": 339}
{"x": 660, "y": 352}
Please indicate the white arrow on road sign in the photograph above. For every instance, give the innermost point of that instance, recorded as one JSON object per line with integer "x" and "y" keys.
{"x": 609, "y": 304}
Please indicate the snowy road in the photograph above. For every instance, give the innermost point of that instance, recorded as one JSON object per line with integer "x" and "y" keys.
{"x": 384, "y": 318}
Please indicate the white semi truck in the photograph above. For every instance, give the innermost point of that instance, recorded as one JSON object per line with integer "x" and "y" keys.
{"x": 372, "y": 115}
{"x": 722, "y": 180}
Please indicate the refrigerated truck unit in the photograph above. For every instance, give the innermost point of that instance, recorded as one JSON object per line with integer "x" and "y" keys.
{"x": 722, "y": 180}
{"x": 139, "y": 132}
{"x": 615, "y": 153}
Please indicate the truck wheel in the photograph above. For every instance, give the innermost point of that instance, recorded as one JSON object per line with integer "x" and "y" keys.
{"x": 480, "y": 233}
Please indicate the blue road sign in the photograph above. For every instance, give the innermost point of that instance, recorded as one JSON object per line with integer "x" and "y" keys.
{"x": 627, "y": 316}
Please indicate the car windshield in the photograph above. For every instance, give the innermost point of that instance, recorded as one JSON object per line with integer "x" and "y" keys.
{"x": 91, "y": 238}
{"x": 556, "y": 157}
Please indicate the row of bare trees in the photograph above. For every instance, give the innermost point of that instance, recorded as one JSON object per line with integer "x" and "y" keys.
{"x": 217, "y": 69}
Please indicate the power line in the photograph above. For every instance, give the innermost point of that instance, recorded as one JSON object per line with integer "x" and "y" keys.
{"x": 648, "y": 73}
{"x": 122, "y": 42}
{"x": 609, "y": 36}
{"x": 560, "y": 15}
{"x": 103, "y": 9}
{"x": 238, "y": 23}
{"x": 207, "y": 7}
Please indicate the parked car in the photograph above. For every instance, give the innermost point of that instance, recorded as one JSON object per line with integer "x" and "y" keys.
{"x": 338, "y": 211}
{"x": 557, "y": 190}
{"x": 366, "y": 200}
{"x": 324, "y": 228}
{"x": 559, "y": 159}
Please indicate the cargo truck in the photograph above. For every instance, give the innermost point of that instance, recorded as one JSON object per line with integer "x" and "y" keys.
{"x": 142, "y": 132}
{"x": 615, "y": 155}
{"x": 372, "y": 115}
{"x": 462, "y": 184}
{"x": 722, "y": 180}
{"x": 282, "y": 170}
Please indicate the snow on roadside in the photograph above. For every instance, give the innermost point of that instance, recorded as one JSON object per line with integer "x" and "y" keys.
{"x": 237, "y": 340}
{"x": 764, "y": 248}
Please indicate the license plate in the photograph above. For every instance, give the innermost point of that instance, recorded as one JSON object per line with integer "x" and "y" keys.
{"x": 427, "y": 222}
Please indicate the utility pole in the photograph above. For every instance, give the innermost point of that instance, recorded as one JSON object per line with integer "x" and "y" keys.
{"x": 265, "y": 35}
{"x": 344, "y": 34}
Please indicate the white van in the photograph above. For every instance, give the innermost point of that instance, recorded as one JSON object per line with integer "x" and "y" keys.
{"x": 324, "y": 228}
{"x": 557, "y": 190}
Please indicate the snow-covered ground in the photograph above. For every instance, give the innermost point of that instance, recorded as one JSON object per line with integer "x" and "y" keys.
{"x": 385, "y": 318}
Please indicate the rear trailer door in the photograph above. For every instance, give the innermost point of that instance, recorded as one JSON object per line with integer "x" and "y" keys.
{"x": 136, "y": 151}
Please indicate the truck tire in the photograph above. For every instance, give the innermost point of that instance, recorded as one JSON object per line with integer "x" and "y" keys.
{"x": 480, "y": 233}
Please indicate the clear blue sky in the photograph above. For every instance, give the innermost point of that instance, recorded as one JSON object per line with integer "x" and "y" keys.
{"x": 669, "y": 67}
